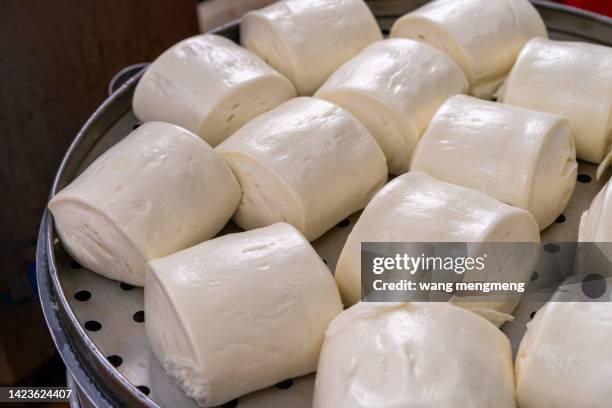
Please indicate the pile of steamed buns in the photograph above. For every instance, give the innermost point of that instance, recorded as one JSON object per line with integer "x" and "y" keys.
{"x": 298, "y": 128}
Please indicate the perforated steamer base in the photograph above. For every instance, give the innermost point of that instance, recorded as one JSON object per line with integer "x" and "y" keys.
{"x": 104, "y": 318}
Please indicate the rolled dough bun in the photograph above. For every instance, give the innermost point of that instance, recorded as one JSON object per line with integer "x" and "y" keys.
{"x": 521, "y": 157}
{"x": 564, "y": 357}
{"x": 596, "y": 222}
{"x": 483, "y": 36}
{"x": 306, "y": 40}
{"x": 413, "y": 355}
{"x": 572, "y": 79}
{"x": 394, "y": 87}
{"x": 594, "y": 252}
{"x": 210, "y": 86}
{"x": 415, "y": 207}
{"x": 159, "y": 190}
{"x": 240, "y": 312}
{"x": 307, "y": 162}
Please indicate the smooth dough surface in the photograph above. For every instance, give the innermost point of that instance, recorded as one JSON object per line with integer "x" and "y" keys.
{"x": 483, "y": 36}
{"x": 522, "y": 157}
{"x": 595, "y": 234}
{"x": 306, "y": 40}
{"x": 394, "y": 87}
{"x": 572, "y": 79}
{"x": 307, "y": 162}
{"x": 159, "y": 190}
{"x": 596, "y": 222}
{"x": 240, "y": 312}
{"x": 564, "y": 357}
{"x": 415, "y": 207}
{"x": 413, "y": 355}
{"x": 209, "y": 85}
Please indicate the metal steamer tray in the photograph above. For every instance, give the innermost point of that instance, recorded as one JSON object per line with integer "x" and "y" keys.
{"x": 97, "y": 323}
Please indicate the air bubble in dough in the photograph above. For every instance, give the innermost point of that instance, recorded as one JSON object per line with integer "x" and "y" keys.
{"x": 564, "y": 357}
{"x": 572, "y": 79}
{"x": 483, "y": 36}
{"x": 240, "y": 312}
{"x": 522, "y": 157}
{"x": 415, "y": 207}
{"x": 306, "y": 40}
{"x": 413, "y": 355}
{"x": 210, "y": 86}
{"x": 307, "y": 162}
{"x": 159, "y": 190}
{"x": 394, "y": 87}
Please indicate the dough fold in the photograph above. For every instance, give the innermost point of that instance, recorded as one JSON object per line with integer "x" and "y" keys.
{"x": 394, "y": 87}
{"x": 564, "y": 357}
{"x": 240, "y": 312}
{"x": 209, "y": 85}
{"x": 572, "y": 79}
{"x": 307, "y": 162}
{"x": 159, "y": 190}
{"x": 306, "y": 40}
{"x": 483, "y": 36}
{"x": 413, "y": 355}
{"x": 522, "y": 157}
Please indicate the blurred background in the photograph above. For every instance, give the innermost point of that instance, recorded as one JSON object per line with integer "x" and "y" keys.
{"x": 56, "y": 61}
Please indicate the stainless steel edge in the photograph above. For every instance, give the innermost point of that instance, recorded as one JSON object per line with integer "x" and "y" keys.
{"x": 91, "y": 370}
{"x": 73, "y": 401}
{"x": 124, "y": 75}
{"x": 52, "y": 311}
{"x": 574, "y": 11}
{"x": 562, "y": 19}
